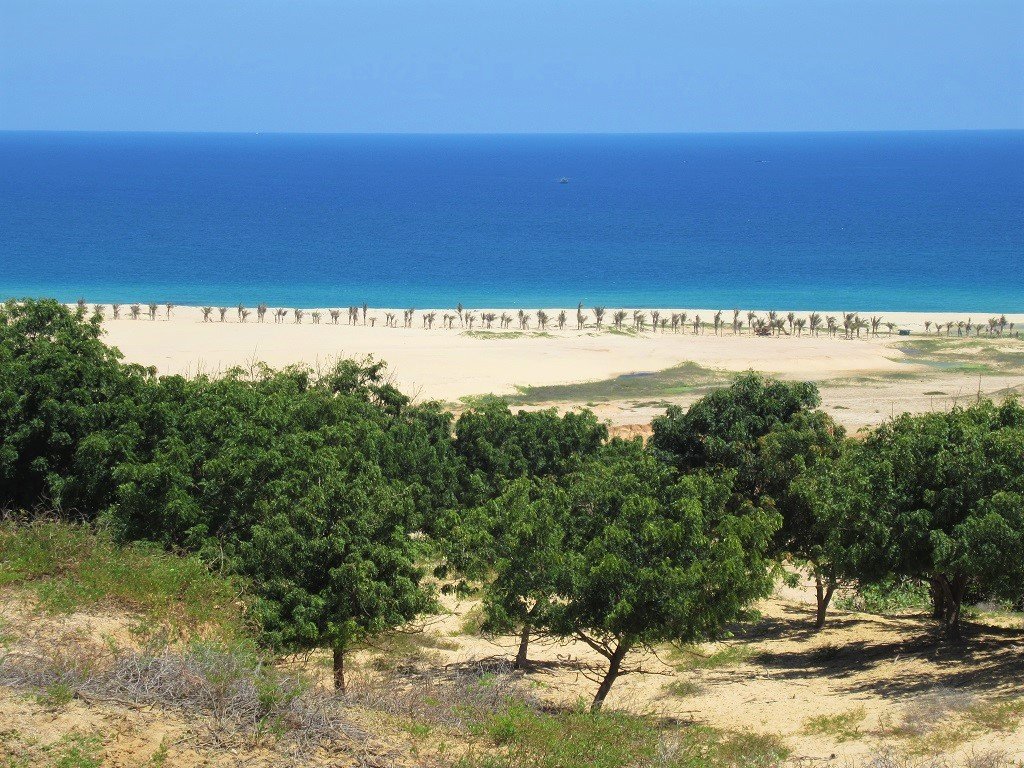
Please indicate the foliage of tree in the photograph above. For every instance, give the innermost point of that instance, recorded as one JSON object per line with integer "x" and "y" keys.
{"x": 496, "y": 445}
{"x": 514, "y": 546}
{"x": 69, "y": 408}
{"x": 938, "y": 496}
{"x": 652, "y": 556}
{"x": 772, "y": 435}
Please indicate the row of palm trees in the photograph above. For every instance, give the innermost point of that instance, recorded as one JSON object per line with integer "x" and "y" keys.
{"x": 994, "y": 326}
{"x": 849, "y": 324}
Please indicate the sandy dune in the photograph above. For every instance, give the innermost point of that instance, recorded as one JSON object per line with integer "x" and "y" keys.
{"x": 448, "y": 364}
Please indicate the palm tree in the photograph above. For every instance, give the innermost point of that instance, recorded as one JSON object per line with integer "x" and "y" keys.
{"x": 261, "y": 312}
{"x": 316, "y": 317}
{"x": 655, "y": 317}
{"x": 815, "y": 323}
{"x": 641, "y": 320}
{"x": 97, "y": 311}
{"x": 598, "y": 316}
{"x": 522, "y": 319}
{"x": 223, "y": 313}
{"x": 135, "y": 310}
{"x": 799, "y": 325}
{"x": 949, "y": 328}
{"x": 790, "y": 318}
{"x": 458, "y": 311}
{"x": 751, "y": 317}
{"x": 117, "y": 310}
{"x": 876, "y": 321}
{"x": 664, "y": 322}
{"x": 411, "y": 311}
{"x": 682, "y": 321}
{"x": 152, "y": 311}
{"x": 470, "y": 319}
{"x": 245, "y": 315}
{"x": 298, "y": 315}
{"x": 718, "y": 321}
{"x": 240, "y": 308}
{"x": 618, "y": 318}
{"x": 580, "y": 319}
{"x": 675, "y": 322}
{"x": 735, "y": 321}
{"x": 335, "y": 315}
{"x": 696, "y": 324}
{"x": 81, "y": 304}
{"x": 542, "y": 319}
{"x": 833, "y": 326}
{"x": 279, "y": 315}
{"x": 562, "y": 320}
{"x": 207, "y": 311}
{"x": 430, "y": 317}
{"x": 168, "y": 306}
{"x": 389, "y": 319}
{"x": 890, "y": 327}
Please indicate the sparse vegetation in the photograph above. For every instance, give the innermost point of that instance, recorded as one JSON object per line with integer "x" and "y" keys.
{"x": 72, "y": 567}
{"x": 844, "y": 726}
{"x": 680, "y": 379}
{"x": 689, "y": 657}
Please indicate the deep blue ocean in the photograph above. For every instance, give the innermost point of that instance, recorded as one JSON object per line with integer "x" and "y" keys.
{"x": 858, "y": 221}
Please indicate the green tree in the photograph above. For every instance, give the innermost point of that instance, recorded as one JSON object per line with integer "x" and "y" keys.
{"x": 331, "y": 557}
{"x": 496, "y": 445}
{"x": 775, "y": 439}
{"x": 514, "y": 545}
{"x": 69, "y": 408}
{"x": 653, "y": 556}
{"x": 939, "y": 497}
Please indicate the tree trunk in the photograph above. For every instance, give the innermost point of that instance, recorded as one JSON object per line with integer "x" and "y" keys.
{"x": 339, "y": 669}
{"x": 614, "y": 664}
{"x": 953, "y": 592}
{"x": 938, "y": 601}
{"x": 524, "y": 647}
{"x": 823, "y": 592}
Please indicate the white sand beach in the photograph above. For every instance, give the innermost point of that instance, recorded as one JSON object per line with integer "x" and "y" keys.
{"x": 863, "y": 379}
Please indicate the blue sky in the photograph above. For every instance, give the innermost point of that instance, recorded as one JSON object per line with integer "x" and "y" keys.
{"x": 514, "y": 66}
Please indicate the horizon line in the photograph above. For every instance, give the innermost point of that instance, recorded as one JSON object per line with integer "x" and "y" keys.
{"x": 148, "y": 131}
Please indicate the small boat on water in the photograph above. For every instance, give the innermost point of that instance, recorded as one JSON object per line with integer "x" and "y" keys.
{"x": 564, "y": 180}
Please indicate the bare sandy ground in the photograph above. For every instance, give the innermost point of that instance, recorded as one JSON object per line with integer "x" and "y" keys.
{"x": 885, "y": 683}
{"x": 863, "y": 379}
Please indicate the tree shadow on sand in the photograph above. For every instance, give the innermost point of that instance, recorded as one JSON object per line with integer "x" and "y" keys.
{"x": 909, "y": 649}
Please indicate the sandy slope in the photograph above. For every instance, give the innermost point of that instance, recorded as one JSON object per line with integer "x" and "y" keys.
{"x": 903, "y": 688}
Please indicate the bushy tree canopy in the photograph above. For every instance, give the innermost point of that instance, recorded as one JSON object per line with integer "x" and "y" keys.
{"x": 939, "y": 496}
{"x": 771, "y": 434}
{"x": 497, "y": 445}
{"x": 69, "y": 408}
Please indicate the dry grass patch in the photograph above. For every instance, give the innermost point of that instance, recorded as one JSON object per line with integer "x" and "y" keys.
{"x": 841, "y": 727}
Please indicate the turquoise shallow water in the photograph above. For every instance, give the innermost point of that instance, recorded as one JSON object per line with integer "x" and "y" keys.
{"x": 866, "y": 221}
